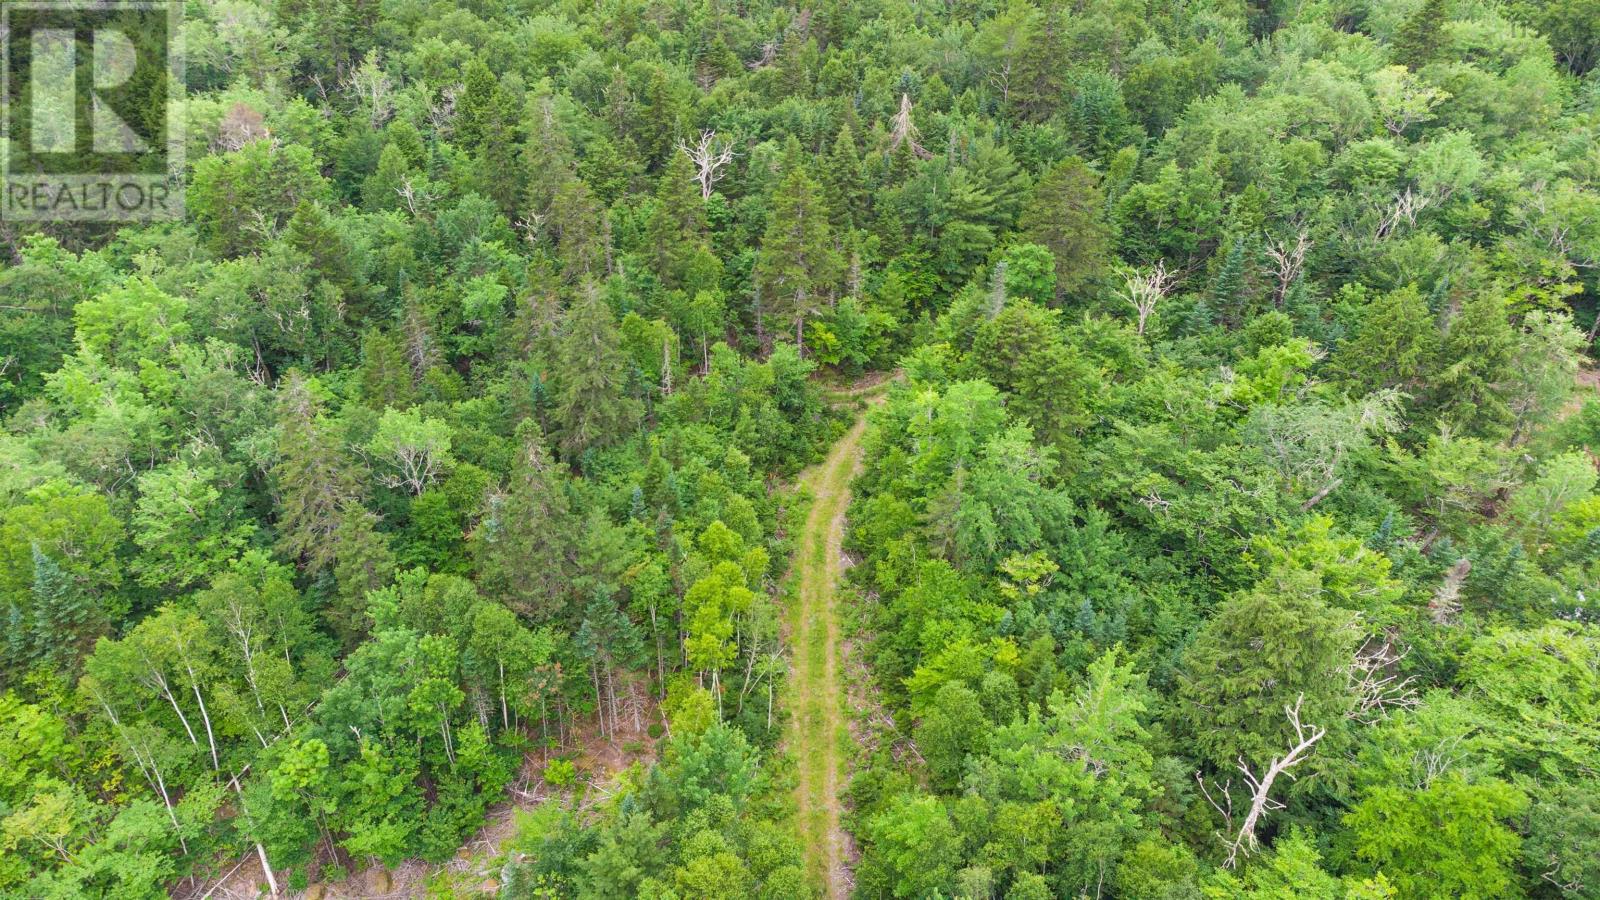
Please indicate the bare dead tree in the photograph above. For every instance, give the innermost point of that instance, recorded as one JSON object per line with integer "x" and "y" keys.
{"x": 240, "y": 125}
{"x": 769, "y": 52}
{"x": 1557, "y": 231}
{"x": 442, "y": 114}
{"x": 904, "y": 130}
{"x": 1446, "y": 601}
{"x": 710, "y": 155}
{"x": 1405, "y": 209}
{"x": 530, "y": 226}
{"x": 416, "y": 196}
{"x": 1242, "y": 841}
{"x": 1144, "y": 291}
{"x": 372, "y": 85}
{"x": 1290, "y": 262}
{"x": 1431, "y": 763}
{"x": 1376, "y": 682}
{"x": 997, "y": 289}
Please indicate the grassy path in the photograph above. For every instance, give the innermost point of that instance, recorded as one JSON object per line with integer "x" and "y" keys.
{"x": 817, "y": 731}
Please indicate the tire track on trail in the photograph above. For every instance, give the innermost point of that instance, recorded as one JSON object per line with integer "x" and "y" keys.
{"x": 818, "y": 730}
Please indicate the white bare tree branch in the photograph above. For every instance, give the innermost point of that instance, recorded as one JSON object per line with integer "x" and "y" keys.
{"x": 372, "y": 85}
{"x": 904, "y": 129}
{"x": 1405, "y": 209}
{"x": 1289, "y": 260}
{"x": 1242, "y": 841}
{"x": 710, "y": 155}
{"x": 1144, "y": 291}
{"x": 1376, "y": 683}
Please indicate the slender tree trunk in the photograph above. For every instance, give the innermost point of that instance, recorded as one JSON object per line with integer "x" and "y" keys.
{"x": 505, "y": 720}
{"x": 166, "y": 691}
{"x": 661, "y": 652}
{"x": 205, "y": 717}
{"x": 266, "y": 865}
{"x": 599, "y": 702}
{"x": 444, "y": 729}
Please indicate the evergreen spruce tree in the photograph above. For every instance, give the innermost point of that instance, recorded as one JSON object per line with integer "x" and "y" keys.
{"x": 547, "y": 158}
{"x": 381, "y": 190}
{"x": 798, "y": 266}
{"x": 677, "y": 231}
{"x": 385, "y": 377}
{"x": 1478, "y": 350}
{"x": 575, "y": 225}
{"x": 591, "y": 404}
{"x": 1264, "y": 649}
{"x": 842, "y": 183}
{"x": 65, "y": 619}
{"x": 311, "y": 231}
{"x": 498, "y": 157}
{"x": 526, "y": 544}
{"x": 316, "y": 484}
{"x": 1227, "y": 298}
{"x": 1041, "y": 79}
{"x": 1394, "y": 346}
{"x": 1066, "y": 215}
{"x": 1420, "y": 36}
{"x": 476, "y": 107}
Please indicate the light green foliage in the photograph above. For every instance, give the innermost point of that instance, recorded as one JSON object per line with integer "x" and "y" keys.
{"x": 1209, "y": 359}
{"x": 1445, "y": 840}
{"x": 415, "y": 450}
{"x": 917, "y": 846}
{"x": 1541, "y": 692}
{"x": 1291, "y": 871}
{"x": 186, "y": 528}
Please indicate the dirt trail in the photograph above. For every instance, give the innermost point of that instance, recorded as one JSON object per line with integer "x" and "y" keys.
{"x": 817, "y": 730}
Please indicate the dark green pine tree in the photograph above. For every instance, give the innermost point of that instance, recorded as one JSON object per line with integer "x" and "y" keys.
{"x": 65, "y": 619}
{"x": 1418, "y": 40}
{"x": 384, "y": 376}
{"x": 901, "y": 164}
{"x": 798, "y": 266}
{"x": 660, "y": 119}
{"x": 1274, "y": 645}
{"x": 718, "y": 61}
{"x": 1041, "y": 78}
{"x": 499, "y": 154}
{"x": 476, "y": 107}
{"x": 1228, "y": 298}
{"x": 311, "y": 231}
{"x": 677, "y": 231}
{"x": 1394, "y": 346}
{"x": 1478, "y": 350}
{"x": 574, "y": 223}
{"x": 316, "y": 484}
{"x": 609, "y": 640}
{"x": 526, "y": 544}
{"x": 842, "y": 183}
{"x": 382, "y": 189}
{"x": 591, "y": 404}
{"x": 798, "y": 64}
{"x": 1306, "y": 312}
{"x": 1066, "y": 214}
{"x": 547, "y": 159}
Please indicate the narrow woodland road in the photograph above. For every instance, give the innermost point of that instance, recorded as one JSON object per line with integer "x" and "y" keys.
{"x": 817, "y": 731}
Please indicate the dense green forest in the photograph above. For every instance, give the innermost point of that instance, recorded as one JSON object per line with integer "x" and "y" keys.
{"x": 1226, "y": 519}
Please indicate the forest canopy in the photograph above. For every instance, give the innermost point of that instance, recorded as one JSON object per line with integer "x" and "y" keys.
{"x": 1227, "y": 514}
